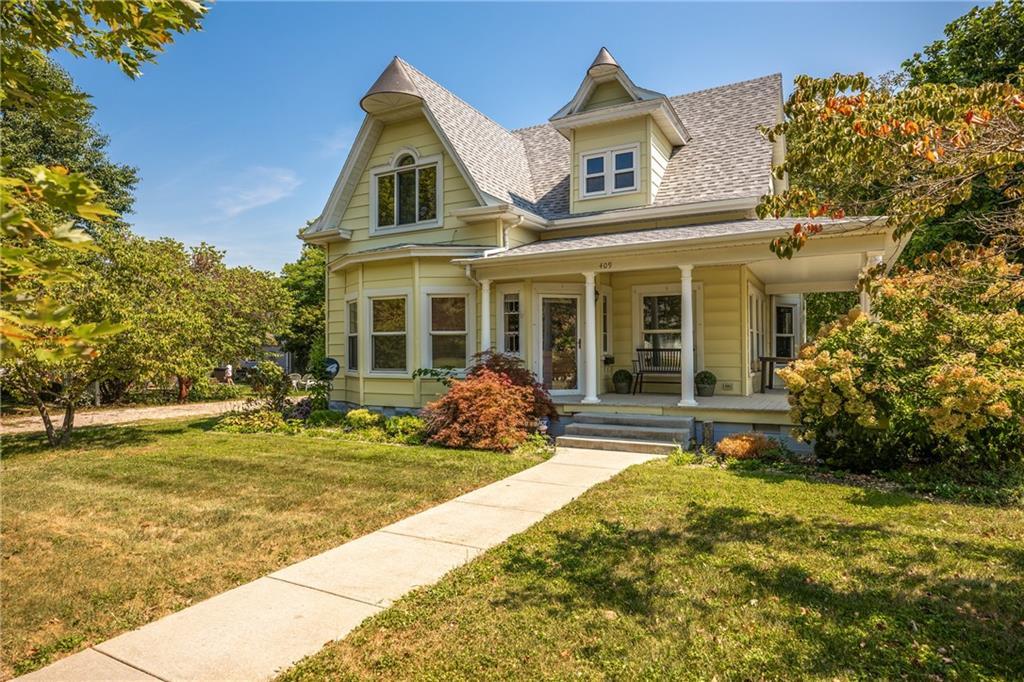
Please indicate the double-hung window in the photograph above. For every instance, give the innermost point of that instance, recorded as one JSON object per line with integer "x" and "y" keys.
{"x": 388, "y": 334}
{"x": 785, "y": 337}
{"x": 353, "y": 336}
{"x": 449, "y": 331}
{"x": 611, "y": 171}
{"x": 511, "y": 334}
{"x": 662, "y": 321}
{"x": 406, "y": 194}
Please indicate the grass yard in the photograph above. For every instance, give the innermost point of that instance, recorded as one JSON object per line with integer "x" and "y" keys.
{"x": 672, "y": 572}
{"x": 134, "y": 522}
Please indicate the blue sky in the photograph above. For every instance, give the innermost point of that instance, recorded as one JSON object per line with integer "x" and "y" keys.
{"x": 240, "y": 131}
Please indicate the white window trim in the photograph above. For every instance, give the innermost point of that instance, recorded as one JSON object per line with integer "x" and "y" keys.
{"x": 366, "y": 317}
{"x": 426, "y": 293}
{"x": 391, "y": 167}
{"x": 349, "y": 299}
{"x": 605, "y": 292}
{"x": 609, "y": 171}
{"x": 698, "y": 316}
{"x": 501, "y": 291}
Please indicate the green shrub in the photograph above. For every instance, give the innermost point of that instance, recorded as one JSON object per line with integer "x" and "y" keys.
{"x": 705, "y": 378}
{"x": 363, "y": 419}
{"x": 622, "y": 376}
{"x": 407, "y": 429}
{"x": 937, "y": 375}
{"x": 205, "y": 388}
{"x": 326, "y": 418}
{"x": 260, "y": 421}
{"x": 536, "y": 445}
{"x": 270, "y": 386}
{"x": 683, "y": 457}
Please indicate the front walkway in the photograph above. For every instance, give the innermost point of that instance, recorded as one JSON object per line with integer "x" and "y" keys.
{"x": 261, "y": 628}
{"x": 121, "y": 415}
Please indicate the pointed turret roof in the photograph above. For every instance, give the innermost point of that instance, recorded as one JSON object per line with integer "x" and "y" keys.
{"x": 393, "y": 88}
{"x": 603, "y": 63}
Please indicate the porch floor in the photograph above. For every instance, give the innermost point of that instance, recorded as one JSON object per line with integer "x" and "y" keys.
{"x": 770, "y": 407}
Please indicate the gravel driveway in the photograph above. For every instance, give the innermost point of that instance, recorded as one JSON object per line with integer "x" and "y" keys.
{"x": 122, "y": 415}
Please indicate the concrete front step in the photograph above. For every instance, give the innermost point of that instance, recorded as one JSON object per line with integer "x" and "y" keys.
{"x": 633, "y": 419}
{"x": 648, "y": 447}
{"x": 654, "y": 433}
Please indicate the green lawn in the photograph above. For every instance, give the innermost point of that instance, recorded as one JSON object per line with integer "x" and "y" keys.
{"x": 134, "y": 522}
{"x": 671, "y": 572}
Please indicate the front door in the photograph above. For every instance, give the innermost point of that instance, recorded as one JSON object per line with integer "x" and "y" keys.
{"x": 560, "y": 343}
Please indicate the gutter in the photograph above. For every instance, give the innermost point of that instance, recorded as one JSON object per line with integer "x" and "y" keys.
{"x": 324, "y": 236}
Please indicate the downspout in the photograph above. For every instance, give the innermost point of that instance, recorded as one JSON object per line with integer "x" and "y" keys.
{"x": 506, "y": 226}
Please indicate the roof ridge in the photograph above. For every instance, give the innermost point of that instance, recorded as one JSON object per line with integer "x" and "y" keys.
{"x": 777, "y": 74}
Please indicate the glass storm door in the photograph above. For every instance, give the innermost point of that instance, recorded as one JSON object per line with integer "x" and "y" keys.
{"x": 560, "y": 343}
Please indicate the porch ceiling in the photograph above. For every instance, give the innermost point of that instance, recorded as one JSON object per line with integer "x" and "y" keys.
{"x": 832, "y": 272}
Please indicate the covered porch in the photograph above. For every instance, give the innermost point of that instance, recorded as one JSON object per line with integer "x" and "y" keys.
{"x": 579, "y": 309}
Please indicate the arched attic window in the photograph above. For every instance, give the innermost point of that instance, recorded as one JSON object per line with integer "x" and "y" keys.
{"x": 406, "y": 193}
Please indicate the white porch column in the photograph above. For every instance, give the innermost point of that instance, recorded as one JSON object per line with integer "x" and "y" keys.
{"x": 870, "y": 261}
{"x": 590, "y": 341}
{"x": 686, "y": 310}
{"x": 485, "y": 315}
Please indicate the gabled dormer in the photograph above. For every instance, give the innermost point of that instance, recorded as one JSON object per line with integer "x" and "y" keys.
{"x": 621, "y": 138}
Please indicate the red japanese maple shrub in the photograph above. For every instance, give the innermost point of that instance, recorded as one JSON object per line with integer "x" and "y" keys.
{"x": 486, "y": 410}
{"x": 512, "y": 367}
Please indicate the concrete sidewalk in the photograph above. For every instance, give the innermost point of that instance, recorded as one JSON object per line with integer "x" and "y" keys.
{"x": 261, "y": 628}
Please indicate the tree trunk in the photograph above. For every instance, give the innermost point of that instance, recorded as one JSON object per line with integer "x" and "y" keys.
{"x": 69, "y": 422}
{"x": 184, "y": 386}
{"x": 51, "y": 435}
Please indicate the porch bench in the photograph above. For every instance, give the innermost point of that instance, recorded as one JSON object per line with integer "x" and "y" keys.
{"x": 656, "y": 362}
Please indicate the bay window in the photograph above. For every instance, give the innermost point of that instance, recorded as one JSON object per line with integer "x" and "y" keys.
{"x": 388, "y": 334}
{"x": 449, "y": 331}
{"x": 353, "y": 336}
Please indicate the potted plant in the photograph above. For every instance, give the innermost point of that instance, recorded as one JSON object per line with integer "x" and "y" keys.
{"x": 622, "y": 380}
{"x": 705, "y": 382}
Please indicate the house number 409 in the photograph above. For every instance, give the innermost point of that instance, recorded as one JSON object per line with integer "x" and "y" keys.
{"x": 607, "y": 265}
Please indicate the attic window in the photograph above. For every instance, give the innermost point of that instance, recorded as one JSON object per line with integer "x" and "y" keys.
{"x": 609, "y": 171}
{"x": 406, "y": 193}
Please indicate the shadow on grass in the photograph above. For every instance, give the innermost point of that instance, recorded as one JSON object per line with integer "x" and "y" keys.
{"x": 609, "y": 567}
{"x": 867, "y": 599}
{"x": 103, "y": 437}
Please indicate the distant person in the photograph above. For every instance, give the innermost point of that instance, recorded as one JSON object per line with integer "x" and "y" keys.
{"x": 229, "y": 374}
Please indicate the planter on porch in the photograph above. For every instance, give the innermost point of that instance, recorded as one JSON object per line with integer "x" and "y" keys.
{"x": 705, "y": 382}
{"x": 623, "y": 381}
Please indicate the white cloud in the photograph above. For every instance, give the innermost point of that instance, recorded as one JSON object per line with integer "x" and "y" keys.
{"x": 256, "y": 186}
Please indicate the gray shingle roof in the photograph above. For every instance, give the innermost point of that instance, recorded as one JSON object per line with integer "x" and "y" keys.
{"x": 662, "y": 235}
{"x": 727, "y": 158}
{"x": 495, "y": 157}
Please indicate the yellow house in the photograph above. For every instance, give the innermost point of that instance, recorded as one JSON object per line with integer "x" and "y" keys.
{"x": 619, "y": 234}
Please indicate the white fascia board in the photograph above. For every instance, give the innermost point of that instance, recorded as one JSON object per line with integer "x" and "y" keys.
{"x": 344, "y": 186}
{"x": 504, "y": 211}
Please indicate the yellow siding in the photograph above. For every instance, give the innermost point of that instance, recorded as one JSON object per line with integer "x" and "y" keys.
{"x": 604, "y": 136}
{"x": 606, "y": 95}
{"x": 722, "y": 349}
{"x": 661, "y": 150}
{"x": 418, "y": 134}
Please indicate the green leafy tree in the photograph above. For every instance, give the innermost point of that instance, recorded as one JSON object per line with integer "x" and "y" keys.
{"x": 986, "y": 45}
{"x": 44, "y": 207}
{"x": 305, "y": 280}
